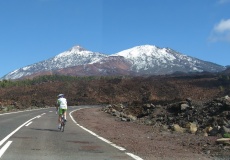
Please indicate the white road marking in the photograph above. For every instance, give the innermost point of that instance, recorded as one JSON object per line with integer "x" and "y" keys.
{"x": 28, "y": 124}
{"x": 103, "y": 139}
{"x": 22, "y": 111}
{"x": 118, "y": 147}
{"x": 4, "y": 148}
{"x": 134, "y": 156}
{"x": 8, "y": 136}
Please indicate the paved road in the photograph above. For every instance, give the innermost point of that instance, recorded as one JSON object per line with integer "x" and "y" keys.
{"x": 33, "y": 135}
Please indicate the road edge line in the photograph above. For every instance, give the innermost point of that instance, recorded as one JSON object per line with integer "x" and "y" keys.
{"x": 103, "y": 139}
{"x": 27, "y": 110}
{"x": 9, "y": 135}
{"x": 4, "y": 148}
{"x": 134, "y": 156}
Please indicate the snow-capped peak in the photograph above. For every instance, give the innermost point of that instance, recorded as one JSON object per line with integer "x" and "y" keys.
{"x": 77, "y": 48}
{"x": 147, "y": 51}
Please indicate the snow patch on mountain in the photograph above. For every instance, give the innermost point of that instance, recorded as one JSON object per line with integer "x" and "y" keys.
{"x": 152, "y": 52}
{"x": 147, "y": 56}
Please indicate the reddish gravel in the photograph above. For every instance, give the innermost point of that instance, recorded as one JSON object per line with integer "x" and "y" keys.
{"x": 147, "y": 142}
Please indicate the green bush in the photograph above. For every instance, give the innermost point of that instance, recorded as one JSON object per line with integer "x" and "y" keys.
{"x": 226, "y": 135}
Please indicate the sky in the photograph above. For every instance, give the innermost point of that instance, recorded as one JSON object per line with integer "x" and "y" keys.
{"x": 35, "y": 30}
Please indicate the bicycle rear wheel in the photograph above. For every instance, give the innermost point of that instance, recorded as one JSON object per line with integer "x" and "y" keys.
{"x": 62, "y": 126}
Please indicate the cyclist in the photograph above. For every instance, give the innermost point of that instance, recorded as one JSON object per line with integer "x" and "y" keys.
{"x": 61, "y": 108}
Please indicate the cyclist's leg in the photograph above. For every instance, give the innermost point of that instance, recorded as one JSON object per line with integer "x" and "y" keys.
{"x": 64, "y": 113}
{"x": 60, "y": 112}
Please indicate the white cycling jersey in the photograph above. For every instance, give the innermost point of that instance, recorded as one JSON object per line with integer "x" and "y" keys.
{"x": 62, "y": 102}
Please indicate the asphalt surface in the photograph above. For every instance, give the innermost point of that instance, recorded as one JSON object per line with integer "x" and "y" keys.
{"x": 33, "y": 135}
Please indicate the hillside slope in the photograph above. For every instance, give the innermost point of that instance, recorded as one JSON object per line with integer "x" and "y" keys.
{"x": 104, "y": 90}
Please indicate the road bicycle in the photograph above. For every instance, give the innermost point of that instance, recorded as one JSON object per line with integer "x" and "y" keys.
{"x": 62, "y": 123}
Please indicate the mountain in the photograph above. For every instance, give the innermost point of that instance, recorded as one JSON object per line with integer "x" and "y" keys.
{"x": 227, "y": 71}
{"x": 149, "y": 59}
{"x": 139, "y": 60}
{"x": 75, "y": 56}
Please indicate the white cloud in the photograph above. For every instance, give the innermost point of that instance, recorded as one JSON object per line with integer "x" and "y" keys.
{"x": 221, "y": 31}
{"x": 223, "y": 26}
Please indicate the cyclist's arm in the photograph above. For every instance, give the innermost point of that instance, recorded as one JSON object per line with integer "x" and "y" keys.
{"x": 57, "y": 105}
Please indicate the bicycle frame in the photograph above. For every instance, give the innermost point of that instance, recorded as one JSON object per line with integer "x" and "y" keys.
{"x": 62, "y": 123}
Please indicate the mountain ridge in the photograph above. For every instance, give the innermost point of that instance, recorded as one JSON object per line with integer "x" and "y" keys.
{"x": 139, "y": 60}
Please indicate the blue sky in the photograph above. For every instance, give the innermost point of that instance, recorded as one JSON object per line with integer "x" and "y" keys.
{"x": 35, "y": 30}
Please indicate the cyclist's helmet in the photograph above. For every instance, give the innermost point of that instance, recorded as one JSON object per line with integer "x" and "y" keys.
{"x": 60, "y": 95}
